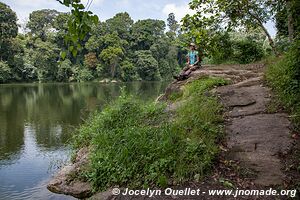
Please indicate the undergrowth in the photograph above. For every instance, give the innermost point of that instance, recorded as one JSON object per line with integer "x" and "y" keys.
{"x": 135, "y": 144}
{"x": 284, "y": 77}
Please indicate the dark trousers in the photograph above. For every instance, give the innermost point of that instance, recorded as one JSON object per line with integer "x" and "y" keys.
{"x": 186, "y": 71}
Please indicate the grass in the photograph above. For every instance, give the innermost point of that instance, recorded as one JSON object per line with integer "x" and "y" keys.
{"x": 135, "y": 144}
{"x": 283, "y": 76}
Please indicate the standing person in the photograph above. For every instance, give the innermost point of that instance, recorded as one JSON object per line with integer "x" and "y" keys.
{"x": 193, "y": 62}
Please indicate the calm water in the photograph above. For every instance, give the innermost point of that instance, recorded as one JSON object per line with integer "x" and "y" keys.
{"x": 36, "y": 122}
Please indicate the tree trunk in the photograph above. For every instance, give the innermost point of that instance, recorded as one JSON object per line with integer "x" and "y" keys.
{"x": 290, "y": 21}
{"x": 271, "y": 42}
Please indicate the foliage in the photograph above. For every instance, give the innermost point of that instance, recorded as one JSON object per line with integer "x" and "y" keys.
{"x": 147, "y": 66}
{"x": 111, "y": 56}
{"x": 108, "y": 49}
{"x": 236, "y": 48}
{"x": 8, "y": 30}
{"x": 44, "y": 56}
{"x": 146, "y": 32}
{"x": 64, "y": 70}
{"x": 128, "y": 71}
{"x": 120, "y": 24}
{"x": 134, "y": 144}
{"x": 5, "y": 72}
{"x": 284, "y": 77}
{"x": 81, "y": 74}
{"x": 41, "y": 22}
{"x": 215, "y": 15}
{"x": 90, "y": 60}
{"x": 79, "y": 25}
{"x": 8, "y": 20}
{"x": 247, "y": 51}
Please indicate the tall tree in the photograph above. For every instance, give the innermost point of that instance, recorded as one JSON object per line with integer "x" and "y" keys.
{"x": 173, "y": 25}
{"x": 111, "y": 56}
{"x": 120, "y": 23}
{"x": 41, "y": 21}
{"x": 146, "y": 32}
{"x": 8, "y": 31}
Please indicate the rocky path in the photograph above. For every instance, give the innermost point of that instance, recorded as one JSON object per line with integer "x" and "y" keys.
{"x": 255, "y": 137}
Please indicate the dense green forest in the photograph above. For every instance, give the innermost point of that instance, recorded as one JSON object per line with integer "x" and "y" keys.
{"x": 124, "y": 50}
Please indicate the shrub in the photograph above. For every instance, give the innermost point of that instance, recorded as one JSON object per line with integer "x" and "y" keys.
{"x": 147, "y": 66}
{"x": 284, "y": 78}
{"x": 64, "y": 70}
{"x": 5, "y": 72}
{"x": 128, "y": 71}
{"x": 81, "y": 74}
{"x": 247, "y": 51}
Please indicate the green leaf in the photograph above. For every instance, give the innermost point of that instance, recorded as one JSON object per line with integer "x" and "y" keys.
{"x": 74, "y": 52}
{"x": 63, "y": 54}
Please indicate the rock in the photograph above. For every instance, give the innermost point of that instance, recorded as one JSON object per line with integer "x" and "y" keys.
{"x": 107, "y": 195}
{"x": 64, "y": 182}
{"x": 105, "y": 81}
{"x": 256, "y": 141}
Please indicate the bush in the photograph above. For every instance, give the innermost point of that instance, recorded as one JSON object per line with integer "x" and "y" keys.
{"x": 134, "y": 144}
{"x": 64, "y": 70}
{"x": 128, "y": 71}
{"x": 284, "y": 78}
{"x": 147, "y": 66}
{"x": 247, "y": 51}
{"x": 5, "y": 72}
{"x": 81, "y": 74}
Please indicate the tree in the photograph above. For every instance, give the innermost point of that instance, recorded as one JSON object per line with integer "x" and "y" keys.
{"x": 146, "y": 32}
{"x": 287, "y": 18}
{"x": 111, "y": 56}
{"x": 64, "y": 70}
{"x": 42, "y": 59}
{"x": 147, "y": 66}
{"x": 41, "y": 21}
{"x": 60, "y": 25}
{"x": 120, "y": 23}
{"x": 165, "y": 53}
{"x": 128, "y": 71}
{"x": 8, "y": 31}
{"x": 217, "y": 14}
{"x": 173, "y": 25}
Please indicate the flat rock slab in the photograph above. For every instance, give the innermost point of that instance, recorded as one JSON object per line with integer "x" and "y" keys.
{"x": 254, "y": 137}
{"x": 257, "y": 140}
{"x": 243, "y": 101}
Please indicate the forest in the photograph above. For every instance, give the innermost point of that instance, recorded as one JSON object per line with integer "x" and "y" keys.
{"x": 124, "y": 50}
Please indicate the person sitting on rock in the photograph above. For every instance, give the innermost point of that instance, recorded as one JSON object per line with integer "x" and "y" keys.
{"x": 193, "y": 63}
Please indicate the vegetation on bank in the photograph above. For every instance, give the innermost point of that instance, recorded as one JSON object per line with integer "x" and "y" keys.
{"x": 137, "y": 144}
{"x": 284, "y": 77}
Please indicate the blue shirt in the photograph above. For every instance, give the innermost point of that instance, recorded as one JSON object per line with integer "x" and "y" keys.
{"x": 193, "y": 57}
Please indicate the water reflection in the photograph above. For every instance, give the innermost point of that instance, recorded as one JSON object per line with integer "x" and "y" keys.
{"x": 36, "y": 121}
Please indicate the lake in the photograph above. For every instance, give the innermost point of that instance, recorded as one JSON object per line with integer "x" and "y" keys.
{"x": 36, "y": 123}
